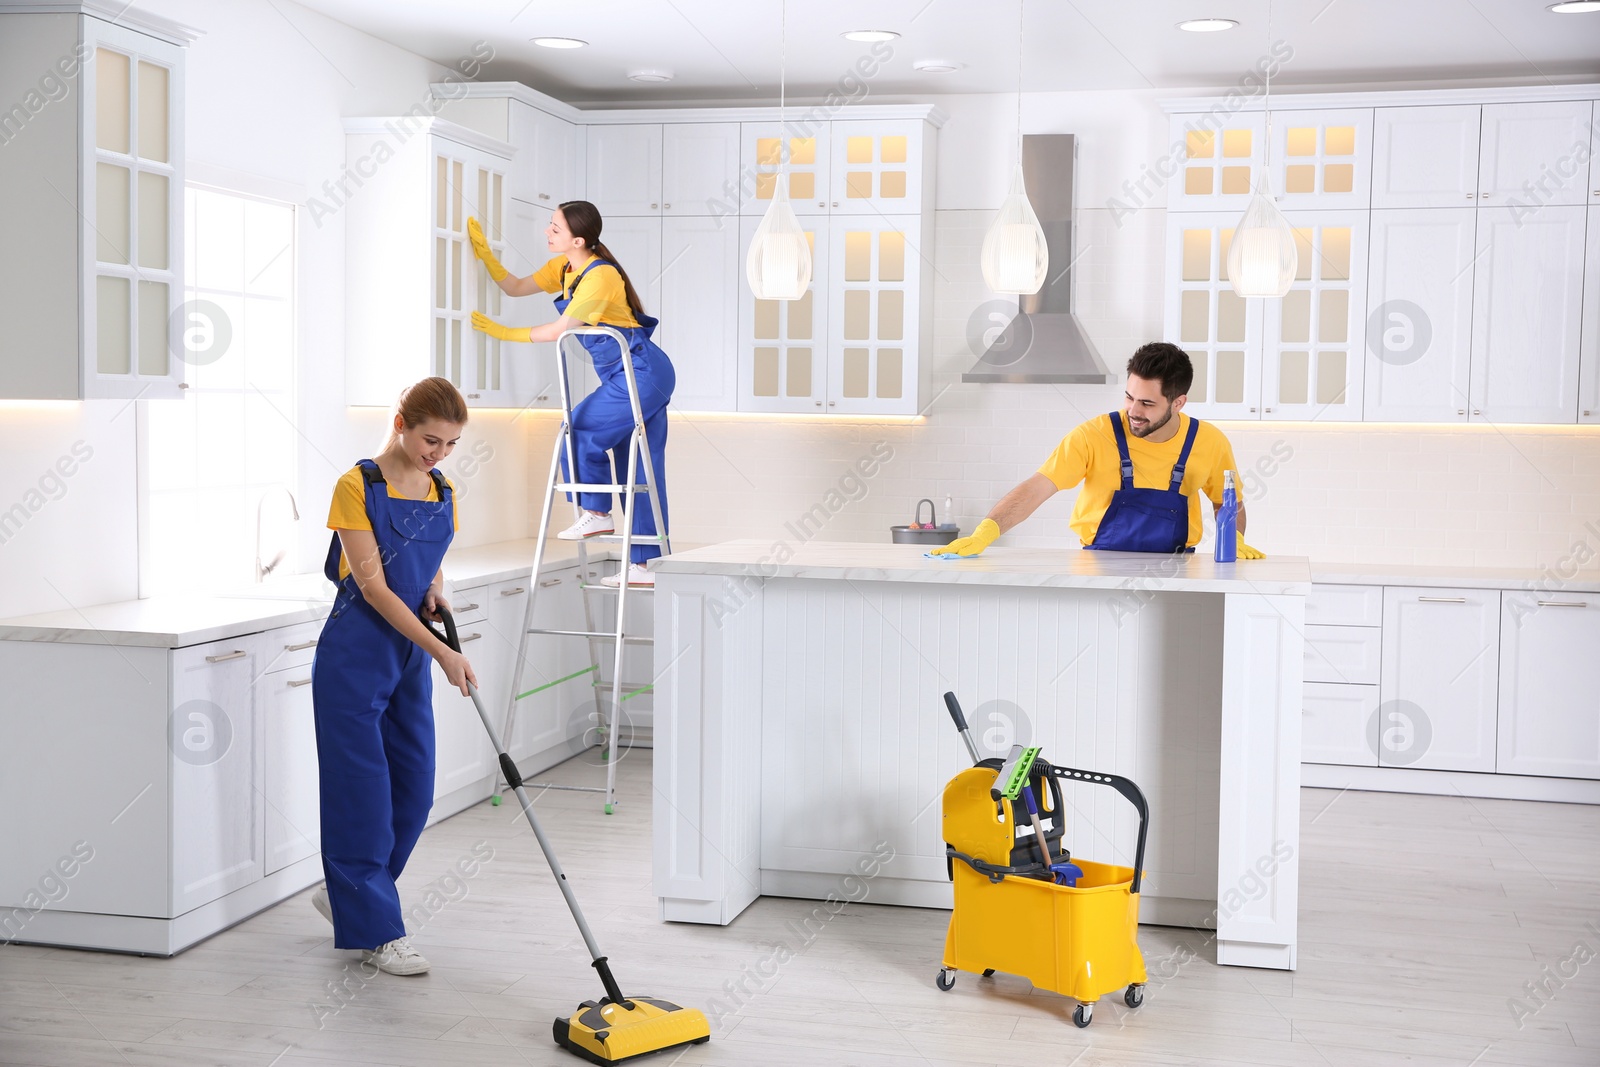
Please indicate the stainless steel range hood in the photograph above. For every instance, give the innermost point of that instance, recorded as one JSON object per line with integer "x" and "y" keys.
{"x": 1046, "y": 344}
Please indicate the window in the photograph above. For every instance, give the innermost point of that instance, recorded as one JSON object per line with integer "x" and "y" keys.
{"x": 229, "y": 447}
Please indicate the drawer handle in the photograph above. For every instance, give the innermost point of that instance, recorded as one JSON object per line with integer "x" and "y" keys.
{"x": 226, "y": 656}
{"x": 470, "y": 637}
{"x": 548, "y": 582}
{"x": 1562, "y": 604}
{"x": 296, "y": 684}
{"x": 512, "y": 592}
{"x": 1441, "y": 600}
{"x": 467, "y": 607}
{"x": 302, "y": 646}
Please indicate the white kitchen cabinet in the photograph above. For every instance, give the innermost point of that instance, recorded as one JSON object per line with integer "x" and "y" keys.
{"x": 290, "y": 783}
{"x": 880, "y": 167}
{"x": 1549, "y": 675}
{"x": 1439, "y": 678}
{"x": 1533, "y": 154}
{"x": 412, "y": 281}
{"x": 1333, "y": 724}
{"x": 636, "y": 242}
{"x": 1419, "y": 319}
{"x": 1313, "y": 359}
{"x": 92, "y": 189}
{"x": 464, "y": 758}
{"x": 801, "y": 149}
{"x": 1221, "y": 331}
{"x": 1425, "y": 156}
{"x": 1345, "y": 654}
{"x": 1527, "y": 314}
{"x": 874, "y": 314}
{"x": 783, "y": 344}
{"x": 1322, "y": 159}
{"x": 533, "y": 366}
{"x": 557, "y": 678}
{"x": 623, "y": 170}
{"x": 1589, "y": 357}
{"x": 1219, "y": 165}
{"x": 215, "y": 783}
{"x": 699, "y": 163}
{"x": 545, "y": 170}
{"x": 701, "y": 283}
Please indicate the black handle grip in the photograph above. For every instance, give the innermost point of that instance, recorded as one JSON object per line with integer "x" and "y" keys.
{"x": 449, "y": 637}
{"x": 1134, "y": 795}
{"x": 955, "y": 711}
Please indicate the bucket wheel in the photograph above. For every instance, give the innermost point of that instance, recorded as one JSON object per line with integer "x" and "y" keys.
{"x": 1134, "y": 995}
{"x": 945, "y": 979}
{"x": 1083, "y": 1015}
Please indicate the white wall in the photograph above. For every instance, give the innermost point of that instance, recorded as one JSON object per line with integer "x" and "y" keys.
{"x": 1466, "y": 496}
{"x": 268, "y": 84}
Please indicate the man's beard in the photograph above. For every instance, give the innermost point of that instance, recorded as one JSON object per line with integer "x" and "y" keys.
{"x": 1152, "y": 427}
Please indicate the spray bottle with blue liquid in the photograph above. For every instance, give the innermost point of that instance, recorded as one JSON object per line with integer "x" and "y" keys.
{"x": 1228, "y": 522}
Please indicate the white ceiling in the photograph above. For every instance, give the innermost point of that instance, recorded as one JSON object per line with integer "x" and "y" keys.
{"x": 728, "y": 50}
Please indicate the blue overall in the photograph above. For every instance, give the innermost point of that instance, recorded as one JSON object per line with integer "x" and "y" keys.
{"x": 603, "y": 421}
{"x": 373, "y": 694}
{"x": 1146, "y": 520}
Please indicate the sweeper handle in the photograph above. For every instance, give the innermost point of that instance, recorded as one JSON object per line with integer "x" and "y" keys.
{"x": 1135, "y": 796}
{"x": 514, "y": 779}
{"x": 961, "y": 727}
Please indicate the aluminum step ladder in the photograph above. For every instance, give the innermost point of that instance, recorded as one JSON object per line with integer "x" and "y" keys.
{"x": 638, "y": 454}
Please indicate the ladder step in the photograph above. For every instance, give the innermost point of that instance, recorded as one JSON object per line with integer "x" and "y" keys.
{"x": 596, "y": 635}
{"x": 558, "y": 681}
{"x": 638, "y": 539}
{"x": 596, "y": 487}
{"x": 629, "y": 688}
{"x": 599, "y": 588}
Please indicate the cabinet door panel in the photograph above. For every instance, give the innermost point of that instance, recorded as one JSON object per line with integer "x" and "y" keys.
{"x": 217, "y": 824}
{"x": 636, "y": 242}
{"x": 783, "y": 344}
{"x": 532, "y": 367}
{"x": 1220, "y": 330}
{"x": 877, "y": 167}
{"x": 803, "y": 151}
{"x": 463, "y": 754}
{"x": 557, "y": 678}
{"x": 1333, "y": 724}
{"x": 1314, "y": 338}
{"x": 1425, "y": 156}
{"x": 1322, "y": 158}
{"x": 289, "y": 768}
{"x": 700, "y": 290}
{"x": 1549, "y": 675}
{"x": 1533, "y": 154}
{"x": 1527, "y": 314}
{"x": 1589, "y": 358}
{"x": 874, "y": 307}
{"x": 624, "y": 171}
{"x": 1218, "y": 166}
{"x": 1439, "y": 687}
{"x": 699, "y": 168}
{"x": 1419, "y": 319}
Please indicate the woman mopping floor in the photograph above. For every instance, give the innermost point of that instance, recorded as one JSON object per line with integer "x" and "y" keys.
{"x": 595, "y": 291}
{"x": 392, "y": 517}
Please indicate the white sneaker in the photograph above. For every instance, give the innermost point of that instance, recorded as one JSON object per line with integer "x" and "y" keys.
{"x": 638, "y": 574}
{"x": 319, "y": 900}
{"x": 588, "y": 525}
{"x": 395, "y": 957}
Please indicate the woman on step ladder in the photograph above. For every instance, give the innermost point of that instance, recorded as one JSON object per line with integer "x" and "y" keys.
{"x": 595, "y": 291}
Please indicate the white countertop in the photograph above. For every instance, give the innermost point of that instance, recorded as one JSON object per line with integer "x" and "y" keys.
{"x": 1050, "y": 568}
{"x": 1554, "y": 578}
{"x": 177, "y": 621}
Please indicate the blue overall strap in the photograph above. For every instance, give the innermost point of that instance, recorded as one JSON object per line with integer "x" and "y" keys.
{"x": 1183, "y": 457}
{"x": 571, "y": 291}
{"x": 371, "y": 475}
{"x": 1122, "y": 449}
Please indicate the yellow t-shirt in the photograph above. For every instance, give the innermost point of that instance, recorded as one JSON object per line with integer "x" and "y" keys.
{"x": 601, "y": 298}
{"x": 1089, "y": 455}
{"x": 349, "y": 508}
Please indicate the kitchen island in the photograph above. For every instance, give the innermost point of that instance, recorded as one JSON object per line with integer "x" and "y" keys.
{"x": 801, "y": 735}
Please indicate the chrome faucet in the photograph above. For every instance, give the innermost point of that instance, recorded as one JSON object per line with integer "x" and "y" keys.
{"x": 264, "y": 569}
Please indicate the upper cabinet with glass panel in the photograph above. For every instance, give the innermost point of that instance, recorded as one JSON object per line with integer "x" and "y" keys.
{"x": 1322, "y": 158}
{"x": 98, "y": 315}
{"x": 860, "y": 167}
{"x": 1212, "y": 164}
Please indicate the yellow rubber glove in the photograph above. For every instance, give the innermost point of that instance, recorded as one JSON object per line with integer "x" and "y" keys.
{"x": 1246, "y": 552}
{"x": 484, "y": 324}
{"x": 480, "y": 245}
{"x": 974, "y": 545}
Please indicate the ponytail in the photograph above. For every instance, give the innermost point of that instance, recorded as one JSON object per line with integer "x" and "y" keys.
{"x": 431, "y": 398}
{"x": 583, "y": 220}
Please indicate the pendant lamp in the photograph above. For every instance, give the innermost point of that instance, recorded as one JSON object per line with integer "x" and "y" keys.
{"x": 1263, "y": 259}
{"x": 1015, "y": 258}
{"x": 779, "y": 263}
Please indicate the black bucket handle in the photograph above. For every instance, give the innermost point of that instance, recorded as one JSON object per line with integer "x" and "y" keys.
{"x": 1128, "y": 789}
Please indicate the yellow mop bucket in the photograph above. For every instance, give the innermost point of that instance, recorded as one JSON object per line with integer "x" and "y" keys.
{"x": 1077, "y": 940}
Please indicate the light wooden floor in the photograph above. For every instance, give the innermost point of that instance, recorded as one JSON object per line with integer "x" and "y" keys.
{"x": 1420, "y": 919}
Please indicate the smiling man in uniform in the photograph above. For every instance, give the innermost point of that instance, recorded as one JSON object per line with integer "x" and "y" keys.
{"x": 1142, "y": 468}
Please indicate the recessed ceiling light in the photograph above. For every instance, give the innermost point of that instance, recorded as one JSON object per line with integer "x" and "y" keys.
{"x": 1207, "y": 25}
{"x": 936, "y": 66}
{"x": 1575, "y": 7}
{"x": 651, "y": 74}
{"x": 869, "y": 35}
{"x": 559, "y": 42}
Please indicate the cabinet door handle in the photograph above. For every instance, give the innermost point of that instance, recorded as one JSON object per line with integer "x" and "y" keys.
{"x": 226, "y": 656}
{"x": 513, "y": 592}
{"x": 302, "y": 646}
{"x": 1477, "y": 411}
{"x": 1441, "y": 600}
{"x": 654, "y": 206}
{"x": 470, "y": 637}
{"x": 1461, "y": 411}
{"x": 1562, "y": 604}
{"x": 467, "y": 607}
{"x": 1471, "y": 196}
{"x": 298, "y": 682}
{"x": 1267, "y": 410}
{"x": 822, "y": 203}
{"x": 667, "y": 207}
{"x": 547, "y": 583}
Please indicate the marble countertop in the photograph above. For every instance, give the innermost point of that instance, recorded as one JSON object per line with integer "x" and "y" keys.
{"x": 1051, "y": 568}
{"x": 176, "y": 621}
